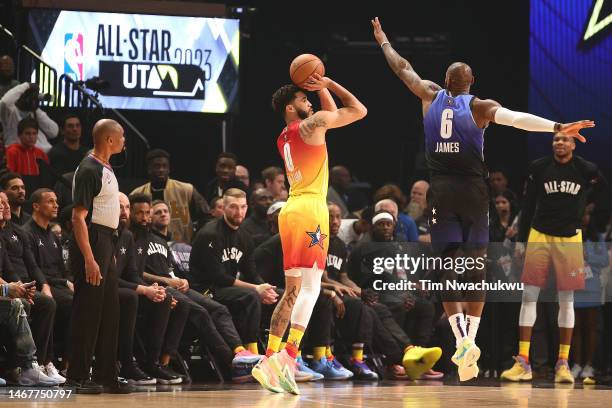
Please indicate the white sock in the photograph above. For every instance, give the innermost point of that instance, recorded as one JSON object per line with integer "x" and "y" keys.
{"x": 472, "y": 323}
{"x": 457, "y": 323}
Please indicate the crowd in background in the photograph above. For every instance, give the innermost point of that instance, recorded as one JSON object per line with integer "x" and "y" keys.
{"x": 172, "y": 296}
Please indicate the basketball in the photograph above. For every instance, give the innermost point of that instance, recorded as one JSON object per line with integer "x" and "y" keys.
{"x": 304, "y": 66}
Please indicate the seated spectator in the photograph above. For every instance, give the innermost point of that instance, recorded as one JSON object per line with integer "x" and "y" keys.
{"x": 21, "y": 102}
{"x": 222, "y": 262}
{"x": 272, "y": 215}
{"x": 66, "y": 155}
{"x": 23, "y": 264}
{"x": 257, "y": 184}
{"x": 394, "y": 306}
{"x": 7, "y": 74}
{"x": 405, "y": 227}
{"x": 13, "y": 297}
{"x": 210, "y": 319}
{"x": 216, "y": 206}
{"x": 187, "y": 205}
{"x": 21, "y": 157}
{"x": 340, "y": 191}
{"x": 14, "y": 322}
{"x": 63, "y": 190}
{"x": 242, "y": 175}
{"x": 256, "y": 224}
{"x": 352, "y": 230}
{"x": 416, "y": 208}
{"x": 498, "y": 182}
{"x": 225, "y": 170}
{"x": 159, "y": 318}
{"x": 274, "y": 182}
{"x": 47, "y": 250}
{"x": 12, "y": 184}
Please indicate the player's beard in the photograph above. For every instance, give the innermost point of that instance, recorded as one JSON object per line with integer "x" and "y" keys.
{"x": 302, "y": 113}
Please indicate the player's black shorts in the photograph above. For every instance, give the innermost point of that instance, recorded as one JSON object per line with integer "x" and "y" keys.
{"x": 458, "y": 212}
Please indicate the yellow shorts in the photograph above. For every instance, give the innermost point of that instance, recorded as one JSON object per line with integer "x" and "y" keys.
{"x": 303, "y": 224}
{"x": 565, "y": 254}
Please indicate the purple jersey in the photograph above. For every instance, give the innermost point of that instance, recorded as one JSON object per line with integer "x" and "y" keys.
{"x": 453, "y": 142}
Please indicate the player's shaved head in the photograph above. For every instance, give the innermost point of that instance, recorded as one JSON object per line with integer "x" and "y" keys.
{"x": 459, "y": 77}
{"x": 104, "y": 128}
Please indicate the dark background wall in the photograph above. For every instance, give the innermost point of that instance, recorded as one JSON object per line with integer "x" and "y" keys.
{"x": 491, "y": 36}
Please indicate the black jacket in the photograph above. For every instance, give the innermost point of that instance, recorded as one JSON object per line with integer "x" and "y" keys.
{"x": 218, "y": 254}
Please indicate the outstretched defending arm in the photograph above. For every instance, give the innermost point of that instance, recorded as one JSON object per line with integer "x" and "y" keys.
{"x": 425, "y": 90}
{"x": 486, "y": 111}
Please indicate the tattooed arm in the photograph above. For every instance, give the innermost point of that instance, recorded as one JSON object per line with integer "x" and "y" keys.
{"x": 425, "y": 90}
{"x": 312, "y": 129}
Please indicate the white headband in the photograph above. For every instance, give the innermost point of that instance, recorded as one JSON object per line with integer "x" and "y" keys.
{"x": 275, "y": 207}
{"x": 382, "y": 216}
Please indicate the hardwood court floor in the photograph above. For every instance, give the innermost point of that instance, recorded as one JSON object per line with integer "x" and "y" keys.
{"x": 386, "y": 394}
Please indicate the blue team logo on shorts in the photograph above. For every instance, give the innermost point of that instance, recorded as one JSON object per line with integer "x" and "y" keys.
{"x": 316, "y": 237}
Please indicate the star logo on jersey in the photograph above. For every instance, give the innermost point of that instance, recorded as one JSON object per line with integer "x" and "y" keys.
{"x": 14, "y": 238}
{"x": 316, "y": 237}
{"x": 139, "y": 250}
{"x": 40, "y": 243}
{"x": 434, "y": 221}
{"x": 122, "y": 250}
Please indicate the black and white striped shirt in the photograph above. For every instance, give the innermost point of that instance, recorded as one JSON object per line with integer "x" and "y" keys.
{"x": 95, "y": 187}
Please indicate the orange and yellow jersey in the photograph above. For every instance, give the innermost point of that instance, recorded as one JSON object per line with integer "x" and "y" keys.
{"x": 306, "y": 165}
{"x": 303, "y": 223}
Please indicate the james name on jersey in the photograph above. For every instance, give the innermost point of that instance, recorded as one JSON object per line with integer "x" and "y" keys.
{"x": 447, "y": 147}
{"x": 562, "y": 187}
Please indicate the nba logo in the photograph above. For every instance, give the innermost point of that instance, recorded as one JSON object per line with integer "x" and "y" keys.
{"x": 73, "y": 56}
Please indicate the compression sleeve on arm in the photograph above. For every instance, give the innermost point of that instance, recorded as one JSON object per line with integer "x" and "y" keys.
{"x": 525, "y": 121}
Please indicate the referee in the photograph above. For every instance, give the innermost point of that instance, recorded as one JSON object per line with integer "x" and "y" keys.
{"x": 95, "y": 312}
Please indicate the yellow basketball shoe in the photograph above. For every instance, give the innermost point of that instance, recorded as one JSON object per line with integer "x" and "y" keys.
{"x": 418, "y": 360}
{"x": 563, "y": 375}
{"x": 520, "y": 371}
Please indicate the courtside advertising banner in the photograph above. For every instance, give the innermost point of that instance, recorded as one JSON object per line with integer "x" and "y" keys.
{"x": 150, "y": 62}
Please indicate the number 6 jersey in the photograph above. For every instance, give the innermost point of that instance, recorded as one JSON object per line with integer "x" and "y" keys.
{"x": 453, "y": 142}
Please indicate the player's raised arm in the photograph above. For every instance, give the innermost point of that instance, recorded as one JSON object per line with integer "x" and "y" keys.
{"x": 351, "y": 111}
{"x": 327, "y": 100}
{"x": 486, "y": 111}
{"x": 425, "y": 90}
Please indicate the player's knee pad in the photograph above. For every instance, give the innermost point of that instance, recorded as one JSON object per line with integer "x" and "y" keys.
{"x": 528, "y": 314}
{"x": 531, "y": 293}
{"x": 306, "y": 299}
{"x": 566, "y": 316}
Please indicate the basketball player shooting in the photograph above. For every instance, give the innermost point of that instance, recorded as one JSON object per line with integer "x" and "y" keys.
{"x": 454, "y": 124}
{"x": 304, "y": 220}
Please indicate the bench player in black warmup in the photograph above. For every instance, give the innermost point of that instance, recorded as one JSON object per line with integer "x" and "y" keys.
{"x": 95, "y": 312}
{"x": 558, "y": 189}
{"x": 454, "y": 123}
